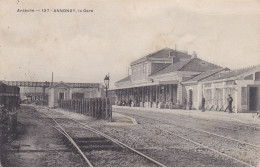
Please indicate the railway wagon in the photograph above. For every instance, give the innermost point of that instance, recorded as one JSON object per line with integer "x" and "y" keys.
{"x": 9, "y": 96}
{"x": 9, "y": 104}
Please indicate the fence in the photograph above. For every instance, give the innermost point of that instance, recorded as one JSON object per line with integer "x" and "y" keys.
{"x": 99, "y": 108}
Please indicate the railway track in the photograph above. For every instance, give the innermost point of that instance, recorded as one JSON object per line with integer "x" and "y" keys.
{"x": 208, "y": 124}
{"x": 185, "y": 136}
{"x": 98, "y": 141}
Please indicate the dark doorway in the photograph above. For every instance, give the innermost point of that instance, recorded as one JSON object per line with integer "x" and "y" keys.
{"x": 190, "y": 99}
{"x": 61, "y": 96}
{"x": 254, "y": 98}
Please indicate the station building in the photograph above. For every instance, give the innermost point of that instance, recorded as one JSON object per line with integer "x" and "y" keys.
{"x": 156, "y": 79}
{"x": 173, "y": 79}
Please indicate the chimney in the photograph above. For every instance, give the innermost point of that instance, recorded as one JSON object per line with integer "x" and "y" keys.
{"x": 194, "y": 54}
{"x": 175, "y": 58}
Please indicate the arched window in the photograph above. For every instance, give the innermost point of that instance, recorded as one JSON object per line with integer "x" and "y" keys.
{"x": 257, "y": 76}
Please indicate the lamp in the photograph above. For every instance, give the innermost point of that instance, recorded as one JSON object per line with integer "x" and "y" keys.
{"x": 106, "y": 82}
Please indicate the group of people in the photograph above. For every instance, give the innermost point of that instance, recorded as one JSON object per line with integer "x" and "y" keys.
{"x": 203, "y": 101}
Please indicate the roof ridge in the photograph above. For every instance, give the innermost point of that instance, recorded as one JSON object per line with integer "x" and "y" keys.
{"x": 208, "y": 73}
{"x": 148, "y": 55}
{"x": 235, "y": 73}
{"x": 214, "y": 72}
{"x": 248, "y": 67}
{"x": 158, "y": 51}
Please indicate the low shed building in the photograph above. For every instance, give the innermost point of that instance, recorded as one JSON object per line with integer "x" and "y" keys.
{"x": 60, "y": 91}
{"x": 243, "y": 85}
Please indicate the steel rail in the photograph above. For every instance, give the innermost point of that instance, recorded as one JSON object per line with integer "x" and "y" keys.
{"x": 118, "y": 142}
{"x": 211, "y": 149}
{"x": 239, "y": 123}
{"x": 70, "y": 139}
{"x": 201, "y": 145}
{"x": 195, "y": 129}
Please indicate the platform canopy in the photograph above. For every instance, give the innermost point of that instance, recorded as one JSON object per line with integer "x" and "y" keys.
{"x": 146, "y": 84}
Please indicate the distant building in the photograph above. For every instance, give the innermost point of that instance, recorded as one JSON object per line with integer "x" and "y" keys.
{"x": 40, "y": 91}
{"x": 63, "y": 91}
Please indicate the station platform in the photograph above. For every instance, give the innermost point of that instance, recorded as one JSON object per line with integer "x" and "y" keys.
{"x": 117, "y": 120}
{"x": 248, "y": 118}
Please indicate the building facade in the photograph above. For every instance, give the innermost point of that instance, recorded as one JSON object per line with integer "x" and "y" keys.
{"x": 243, "y": 85}
{"x": 172, "y": 79}
{"x": 156, "y": 79}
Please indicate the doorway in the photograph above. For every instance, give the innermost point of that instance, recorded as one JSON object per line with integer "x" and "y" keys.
{"x": 254, "y": 98}
{"x": 61, "y": 96}
{"x": 190, "y": 99}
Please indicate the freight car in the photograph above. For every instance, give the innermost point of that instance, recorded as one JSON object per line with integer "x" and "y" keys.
{"x": 9, "y": 105}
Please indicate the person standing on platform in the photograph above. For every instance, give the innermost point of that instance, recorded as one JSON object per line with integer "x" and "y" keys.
{"x": 130, "y": 103}
{"x": 203, "y": 104}
{"x": 230, "y": 100}
{"x": 184, "y": 103}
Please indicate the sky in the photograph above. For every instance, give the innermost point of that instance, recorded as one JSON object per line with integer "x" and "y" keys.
{"x": 84, "y": 47}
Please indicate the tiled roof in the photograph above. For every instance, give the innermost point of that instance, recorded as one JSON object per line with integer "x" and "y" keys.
{"x": 231, "y": 74}
{"x": 199, "y": 65}
{"x": 163, "y": 53}
{"x": 195, "y": 65}
{"x": 171, "y": 68}
{"x": 128, "y": 78}
{"x": 204, "y": 75}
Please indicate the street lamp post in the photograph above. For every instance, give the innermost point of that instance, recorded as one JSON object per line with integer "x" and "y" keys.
{"x": 106, "y": 81}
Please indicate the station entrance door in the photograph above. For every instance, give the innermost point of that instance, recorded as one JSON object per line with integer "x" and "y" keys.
{"x": 254, "y": 98}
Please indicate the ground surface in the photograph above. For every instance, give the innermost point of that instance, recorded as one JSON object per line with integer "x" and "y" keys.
{"x": 37, "y": 144}
{"x": 156, "y": 125}
{"x": 173, "y": 139}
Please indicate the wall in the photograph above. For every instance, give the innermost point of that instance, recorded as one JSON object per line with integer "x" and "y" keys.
{"x": 140, "y": 71}
{"x": 51, "y": 98}
{"x": 216, "y": 94}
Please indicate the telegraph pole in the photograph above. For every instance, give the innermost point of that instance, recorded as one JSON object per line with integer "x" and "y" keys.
{"x": 52, "y": 78}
